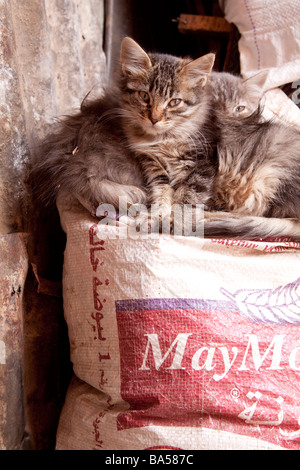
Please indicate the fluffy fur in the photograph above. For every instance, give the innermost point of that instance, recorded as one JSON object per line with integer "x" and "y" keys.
{"x": 88, "y": 156}
{"x": 258, "y": 175}
{"x": 175, "y": 132}
{"x": 234, "y": 96}
{"x": 238, "y": 163}
{"x": 119, "y": 142}
{"x": 168, "y": 123}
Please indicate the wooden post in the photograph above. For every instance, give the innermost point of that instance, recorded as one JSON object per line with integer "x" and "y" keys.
{"x": 199, "y": 23}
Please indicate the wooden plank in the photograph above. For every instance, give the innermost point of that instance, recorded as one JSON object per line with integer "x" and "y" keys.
{"x": 13, "y": 271}
{"x": 198, "y": 23}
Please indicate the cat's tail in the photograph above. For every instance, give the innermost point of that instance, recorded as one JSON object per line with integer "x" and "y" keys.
{"x": 218, "y": 224}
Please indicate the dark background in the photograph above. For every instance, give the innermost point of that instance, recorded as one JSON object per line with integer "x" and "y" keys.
{"x": 152, "y": 23}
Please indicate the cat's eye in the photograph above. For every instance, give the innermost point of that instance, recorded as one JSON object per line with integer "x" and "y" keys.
{"x": 239, "y": 109}
{"x": 144, "y": 96}
{"x": 174, "y": 102}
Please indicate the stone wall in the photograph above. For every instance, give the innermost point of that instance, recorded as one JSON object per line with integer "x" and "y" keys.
{"x": 51, "y": 56}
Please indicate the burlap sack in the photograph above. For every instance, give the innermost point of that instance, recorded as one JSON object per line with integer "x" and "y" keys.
{"x": 179, "y": 342}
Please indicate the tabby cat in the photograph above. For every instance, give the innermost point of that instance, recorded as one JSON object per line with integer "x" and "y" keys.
{"x": 171, "y": 122}
{"x": 234, "y": 96}
{"x": 258, "y": 176}
{"x": 96, "y": 154}
{"x": 166, "y": 135}
{"x": 198, "y": 143}
{"x": 169, "y": 129}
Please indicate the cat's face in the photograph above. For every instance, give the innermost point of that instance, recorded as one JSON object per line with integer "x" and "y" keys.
{"x": 236, "y": 96}
{"x": 161, "y": 93}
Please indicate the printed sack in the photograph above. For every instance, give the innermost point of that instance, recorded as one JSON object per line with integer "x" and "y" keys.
{"x": 179, "y": 342}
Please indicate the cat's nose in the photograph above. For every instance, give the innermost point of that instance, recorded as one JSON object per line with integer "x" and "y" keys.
{"x": 154, "y": 120}
{"x": 155, "y": 116}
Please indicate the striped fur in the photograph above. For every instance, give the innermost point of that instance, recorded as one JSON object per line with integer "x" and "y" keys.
{"x": 175, "y": 145}
{"x": 173, "y": 132}
{"x": 258, "y": 175}
{"x": 96, "y": 154}
{"x": 214, "y": 148}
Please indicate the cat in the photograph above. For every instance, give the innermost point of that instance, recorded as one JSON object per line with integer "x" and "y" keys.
{"x": 115, "y": 147}
{"x": 257, "y": 187}
{"x": 163, "y": 137}
{"x": 162, "y": 96}
{"x": 87, "y": 156}
{"x": 171, "y": 122}
{"x": 238, "y": 164}
{"x": 234, "y": 96}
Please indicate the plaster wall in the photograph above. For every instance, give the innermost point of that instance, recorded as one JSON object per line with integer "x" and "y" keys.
{"x": 51, "y": 56}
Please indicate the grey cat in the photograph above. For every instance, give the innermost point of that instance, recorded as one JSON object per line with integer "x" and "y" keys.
{"x": 168, "y": 135}
{"x": 258, "y": 172}
{"x": 238, "y": 164}
{"x": 112, "y": 146}
{"x": 170, "y": 129}
{"x": 234, "y": 96}
{"x": 88, "y": 156}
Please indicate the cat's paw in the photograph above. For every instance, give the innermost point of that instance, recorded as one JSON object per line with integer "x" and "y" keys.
{"x": 161, "y": 219}
{"x": 158, "y": 219}
{"x": 152, "y": 221}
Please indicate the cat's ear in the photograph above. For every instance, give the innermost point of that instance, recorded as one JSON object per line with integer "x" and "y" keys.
{"x": 258, "y": 80}
{"x": 134, "y": 60}
{"x": 197, "y": 71}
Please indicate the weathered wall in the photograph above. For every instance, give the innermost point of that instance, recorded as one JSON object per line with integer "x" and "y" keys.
{"x": 51, "y": 56}
{"x": 13, "y": 269}
{"x": 13, "y": 148}
{"x": 59, "y": 56}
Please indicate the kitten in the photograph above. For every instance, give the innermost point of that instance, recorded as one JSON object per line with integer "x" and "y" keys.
{"x": 172, "y": 125}
{"x": 257, "y": 185}
{"x": 88, "y": 157}
{"x": 169, "y": 125}
{"x": 163, "y": 95}
{"x": 235, "y": 96}
{"x": 149, "y": 123}
{"x": 258, "y": 177}
{"x": 239, "y": 165}
{"x": 162, "y": 137}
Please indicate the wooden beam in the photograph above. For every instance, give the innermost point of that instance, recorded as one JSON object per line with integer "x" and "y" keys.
{"x": 199, "y": 23}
